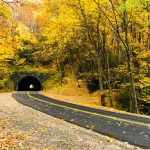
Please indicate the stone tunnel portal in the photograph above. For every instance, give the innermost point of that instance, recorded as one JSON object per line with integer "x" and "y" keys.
{"x": 29, "y": 83}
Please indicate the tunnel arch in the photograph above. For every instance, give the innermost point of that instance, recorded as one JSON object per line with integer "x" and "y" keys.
{"x": 29, "y": 83}
{"x": 18, "y": 79}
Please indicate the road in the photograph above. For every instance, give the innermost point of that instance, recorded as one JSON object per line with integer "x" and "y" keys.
{"x": 124, "y": 127}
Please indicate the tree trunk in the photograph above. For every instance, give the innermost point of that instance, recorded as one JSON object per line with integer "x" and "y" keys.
{"x": 108, "y": 67}
{"x": 100, "y": 70}
{"x": 109, "y": 78}
{"x": 129, "y": 61}
{"x": 60, "y": 71}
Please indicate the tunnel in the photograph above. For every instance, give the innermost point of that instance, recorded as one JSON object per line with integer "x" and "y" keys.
{"x": 29, "y": 84}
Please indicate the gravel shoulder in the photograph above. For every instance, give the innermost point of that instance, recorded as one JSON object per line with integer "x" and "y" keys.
{"x": 22, "y": 127}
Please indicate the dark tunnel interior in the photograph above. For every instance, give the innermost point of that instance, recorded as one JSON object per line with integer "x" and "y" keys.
{"x": 29, "y": 84}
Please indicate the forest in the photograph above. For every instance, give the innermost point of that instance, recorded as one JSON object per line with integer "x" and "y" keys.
{"x": 104, "y": 43}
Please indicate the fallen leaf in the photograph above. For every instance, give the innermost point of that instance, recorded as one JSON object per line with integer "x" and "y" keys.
{"x": 42, "y": 130}
{"x": 110, "y": 140}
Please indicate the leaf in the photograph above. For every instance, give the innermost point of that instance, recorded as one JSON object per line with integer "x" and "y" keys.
{"x": 110, "y": 139}
{"x": 46, "y": 148}
{"x": 42, "y": 130}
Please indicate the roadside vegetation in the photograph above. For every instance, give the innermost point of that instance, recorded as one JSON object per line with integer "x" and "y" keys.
{"x": 103, "y": 47}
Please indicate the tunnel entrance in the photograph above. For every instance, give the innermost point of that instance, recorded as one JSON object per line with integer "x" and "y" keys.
{"x": 29, "y": 84}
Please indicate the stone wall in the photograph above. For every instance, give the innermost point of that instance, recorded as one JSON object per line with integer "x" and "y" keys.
{"x": 18, "y": 76}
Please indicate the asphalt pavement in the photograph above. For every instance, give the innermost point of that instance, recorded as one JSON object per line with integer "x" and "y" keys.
{"x": 124, "y": 127}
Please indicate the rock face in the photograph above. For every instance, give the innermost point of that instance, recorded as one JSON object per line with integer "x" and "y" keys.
{"x": 18, "y": 78}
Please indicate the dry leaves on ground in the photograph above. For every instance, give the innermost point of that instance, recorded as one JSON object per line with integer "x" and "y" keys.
{"x": 9, "y": 139}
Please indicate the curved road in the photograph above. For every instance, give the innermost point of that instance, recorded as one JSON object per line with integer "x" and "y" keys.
{"x": 128, "y": 128}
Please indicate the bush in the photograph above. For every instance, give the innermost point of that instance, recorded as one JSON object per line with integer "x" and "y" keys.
{"x": 2, "y": 84}
{"x": 122, "y": 98}
{"x": 53, "y": 81}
